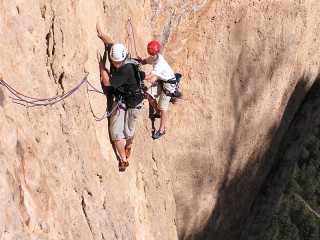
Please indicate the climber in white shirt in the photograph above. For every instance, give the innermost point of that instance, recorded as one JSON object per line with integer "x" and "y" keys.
{"x": 164, "y": 86}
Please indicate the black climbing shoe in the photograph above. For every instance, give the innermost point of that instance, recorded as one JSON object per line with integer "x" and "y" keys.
{"x": 155, "y": 116}
{"x": 158, "y": 134}
{"x": 123, "y": 165}
{"x": 180, "y": 95}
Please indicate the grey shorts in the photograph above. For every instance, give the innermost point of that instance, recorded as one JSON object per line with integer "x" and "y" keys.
{"x": 156, "y": 90}
{"x": 122, "y": 123}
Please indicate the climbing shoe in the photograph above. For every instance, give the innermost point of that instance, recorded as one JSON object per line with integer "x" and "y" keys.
{"x": 123, "y": 165}
{"x": 174, "y": 100}
{"x": 180, "y": 95}
{"x": 155, "y": 116}
{"x": 128, "y": 151}
{"x": 158, "y": 134}
{"x": 177, "y": 94}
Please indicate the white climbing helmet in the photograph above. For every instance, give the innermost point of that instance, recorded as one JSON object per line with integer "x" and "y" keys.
{"x": 117, "y": 52}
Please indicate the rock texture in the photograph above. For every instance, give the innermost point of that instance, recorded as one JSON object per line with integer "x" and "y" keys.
{"x": 250, "y": 80}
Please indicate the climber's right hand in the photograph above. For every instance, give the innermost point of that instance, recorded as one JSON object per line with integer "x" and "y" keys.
{"x": 99, "y": 33}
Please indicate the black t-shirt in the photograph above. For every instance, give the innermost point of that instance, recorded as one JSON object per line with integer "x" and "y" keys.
{"x": 124, "y": 83}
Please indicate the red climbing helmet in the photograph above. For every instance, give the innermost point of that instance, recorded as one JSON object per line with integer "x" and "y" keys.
{"x": 153, "y": 47}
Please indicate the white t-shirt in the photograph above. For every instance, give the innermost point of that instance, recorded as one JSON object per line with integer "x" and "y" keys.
{"x": 161, "y": 68}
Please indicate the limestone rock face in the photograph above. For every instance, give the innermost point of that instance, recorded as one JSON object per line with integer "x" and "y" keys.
{"x": 251, "y": 90}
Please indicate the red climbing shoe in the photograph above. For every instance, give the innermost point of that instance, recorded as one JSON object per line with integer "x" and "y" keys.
{"x": 123, "y": 166}
{"x": 128, "y": 151}
{"x": 174, "y": 100}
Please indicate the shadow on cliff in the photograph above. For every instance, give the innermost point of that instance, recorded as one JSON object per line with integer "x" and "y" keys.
{"x": 244, "y": 77}
{"x": 244, "y": 205}
{"x": 284, "y": 156}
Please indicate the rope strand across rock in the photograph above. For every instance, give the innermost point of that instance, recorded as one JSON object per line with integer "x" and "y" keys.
{"x": 53, "y": 100}
{"x": 42, "y": 101}
{"x": 34, "y": 101}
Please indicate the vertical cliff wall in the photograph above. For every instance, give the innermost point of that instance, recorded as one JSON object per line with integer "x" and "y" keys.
{"x": 247, "y": 69}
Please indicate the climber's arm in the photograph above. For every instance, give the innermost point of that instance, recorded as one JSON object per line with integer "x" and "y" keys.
{"x": 103, "y": 71}
{"x": 103, "y": 37}
{"x": 142, "y": 61}
{"x": 149, "y": 76}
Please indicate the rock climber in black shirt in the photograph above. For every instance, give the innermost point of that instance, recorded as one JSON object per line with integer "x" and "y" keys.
{"x": 125, "y": 87}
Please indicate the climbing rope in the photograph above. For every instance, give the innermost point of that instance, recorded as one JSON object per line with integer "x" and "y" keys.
{"x": 106, "y": 113}
{"x": 34, "y": 102}
{"x": 130, "y": 29}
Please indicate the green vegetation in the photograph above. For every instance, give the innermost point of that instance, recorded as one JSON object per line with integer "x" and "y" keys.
{"x": 297, "y": 214}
